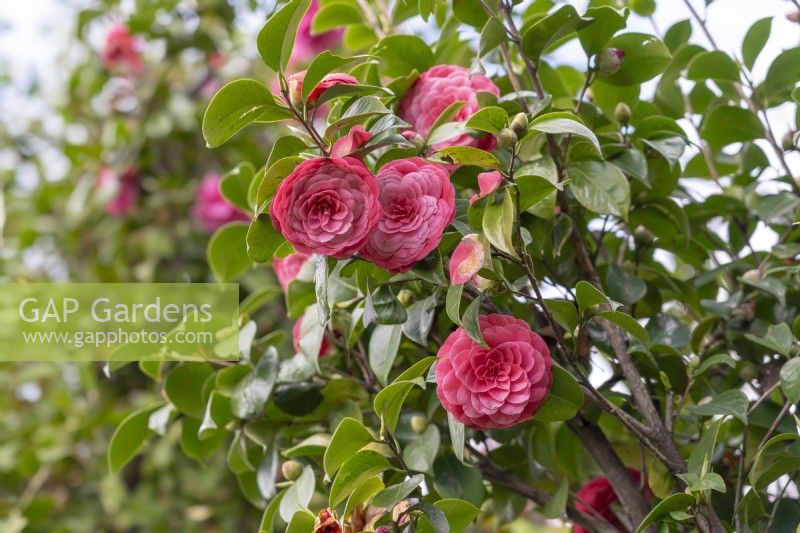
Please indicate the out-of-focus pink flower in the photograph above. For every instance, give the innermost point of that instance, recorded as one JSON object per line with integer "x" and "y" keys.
{"x": 418, "y": 203}
{"x": 436, "y": 90}
{"x": 211, "y": 209}
{"x": 467, "y": 259}
{"x": 296, "y": 334}
{"x": 122, "y": 50}
{"x": 123, "y": 190}
{"x": 328, "y": 206}
{"x": 308, "y": 44}
{"x": 355, "y": 139}
{"x": 498, "y": 386}
{"x": 597, "y": 496}
{"x": 287, "y": 269}
{"x": 488, "y": 182}
{"x": 216, "y": 59}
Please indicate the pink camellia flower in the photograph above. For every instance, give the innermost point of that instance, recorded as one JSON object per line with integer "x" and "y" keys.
{"x": 597, "y": 496}
{"x": 498, "y": 386}
{"x": 488, "y": 182}
{"x": 287, "y": 269}
{"x": 295, "y": 86}
{"x": 418, "y": 203}
{"x": 355, "y": 139}
{"x": 296, "y": 331}
{"x": 122, "y": 49}
{"x": 328, "y": 206}
{"x": 467, "y": 259}
{"x": 123, "y": 190}
{"x": 308, "y": 44}
{"x": 211, "y": 209}
{"x": 438, "y": 88}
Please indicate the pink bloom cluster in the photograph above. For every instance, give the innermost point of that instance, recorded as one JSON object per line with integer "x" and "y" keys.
{"x": 211, "y": 209}
{"x": 123, "y": 190}
{"x": 498, "y": 386}
{"x": 122, "y": 50}
{"x": 308, "y": 44}
{"x": 436, "y": 90}
{"x": 597, "y": 496}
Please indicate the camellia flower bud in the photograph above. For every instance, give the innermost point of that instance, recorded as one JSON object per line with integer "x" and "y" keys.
{"x": 609, "y": 61}
{"x": 793, "y": 16}
{"x": 507, "y": 138}
{"x": 520, "y": 124}
{"x": 295, "y": 83}
{"x": 622, "y": 113}
{"x": 643, "y": 235}
{"x": 467, "y": 259}
{"x": 788, "y": 141}
{"x": 419, "y": 424}
{"x": 752, "y": 275}
{"x": 291, "y": 469}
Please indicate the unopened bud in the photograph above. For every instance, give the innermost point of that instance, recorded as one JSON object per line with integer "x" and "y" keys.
{"x": 415, "y": 138}
{"x": 404, "y": 297}
{"x": 622, "y": 113}
{"x": 793, "y": 16}
{"x": 507, "y": 138}
{"x": 419, "y": 424}
{"x": 609, "y": 61}
{"x": 752, "y": 275}
{"x": 788, "y": 141}
{"x": 520, "y": 124}
{"x": 291, "y": 470}
{"x": 643, "y": 235}
{"x": 295, "y": 85}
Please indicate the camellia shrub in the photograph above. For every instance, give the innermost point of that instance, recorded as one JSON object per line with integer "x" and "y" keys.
{"x": 519, "y": 290}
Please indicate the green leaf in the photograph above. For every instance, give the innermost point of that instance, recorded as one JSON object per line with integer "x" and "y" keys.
{"x": 276, "y": 171}
{"x": 268, "y": 518}
{"x": 459, "y": 515}
{"x": 357, "y": 113}
{"x": 532, "y": 190}
{"x": 252, "y": 392}
{"x": 498, "y": 224}
{"x": 235, "y": 185}
{"x": 783, "y": 74}
{"x": 321, "y": 289}
{"x": 628, "y": 323}
{"x": 725, "y": 125}
{"x": 276, "y": 38}
{"x": 363, "y": 493}
{"x": 790, "y": 379}
{"x": 302, "y": 522}
{"x": 129, "y": 437}
{"x": 549, "y": 29}
{"x": 456, "y": 436}
{"x": 453, "y": 303}
{"x": 489, "y": 119}
{"x": 493, "y": 35}
{"x": 560, "y": 122}
{"x": 389, "y": 496}
{"x": 645, "y": 58}
{"x": 432, "y": 518}
{"x": 754, "y": 41}
{"x": 623, "y": 287}
{"x": 469, "y": 320}
{"x": 700, "y": 458}
{"x": 420, "y": 452}
{"x": 402, "y": 54}
{"x": 420, "y": 319}
{"x": 678, "y": 34}
{"x": 262, "y": 239}
{"x": 470, "y": 12}
{"x": 606, "y": 22}
{"x": 564, "y": 400}
{"x": 600, "y": 187}
{"x": 350, "y": 436}
{"x": 778, "y": 339}
{"x": 298, "y": 495}
{"x": 227, "y": 252}
{"x": 727, "y": 403}
{"x": 383, "y": 345}
{"x": 312, "y": 446}
{"x": 453, "y": 479}
{"x": 334, "y": 15}
{"x": 355, "y": 470}
{"x": 557, "y": 505}
{"x": 714, "y": 65}
{"x": 676, "y": 502}
{"x": 467, "y": 155}
{"x": 382, "y": 307}
{"x": 236, "y": 105}
{"x": 389, "y": 401}
{"x": 444, "y": 119}
{"x": 184, "y": 387}
{"x": 322, "y": 65}
{"x": 563, "y": 312}
{"x": 588, "y": 296}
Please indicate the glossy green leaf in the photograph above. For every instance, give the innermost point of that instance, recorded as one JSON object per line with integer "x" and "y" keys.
{"x": 713, "y": 65}
{"x": 563, "y": 123}
{"x": 790, "y": 379}
{"x": 227, "y": 252}
{"x": 276, "y": 39}
{"x": 383, "y": 345}
{"x": 236, "y": 105}
{"x": 350, "y": 436}
{"x": 355, "y": 470}
{"x": 546, "y": 31}
{"x": 600, "y": 187}
{"x": 498, "y": 224}
{"x": 730, "y": 402}
{"x": 253, "y": 391}
{"x": 727, "y": 124}
{"x": 588, "y": 296}
{"x": 676, "y": 502}
{"x": 754, "y": 41}
{"x": 564, "y": 400}
{"x": 645, "y": 58}
{"x": 129, "y": 437}
{"x": 184, "y": 387}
